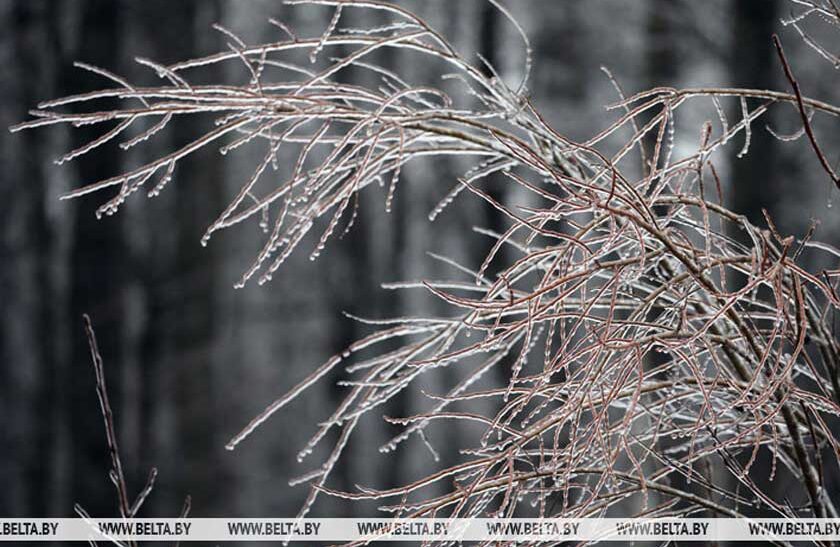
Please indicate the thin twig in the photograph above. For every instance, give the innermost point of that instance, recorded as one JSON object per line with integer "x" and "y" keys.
{"x": 806, "y": 122}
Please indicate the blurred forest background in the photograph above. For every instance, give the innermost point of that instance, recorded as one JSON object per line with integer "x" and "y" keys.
{"x": 190, "y": 360}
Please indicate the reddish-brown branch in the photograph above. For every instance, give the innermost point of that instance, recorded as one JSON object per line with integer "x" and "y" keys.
{"x": 803, "y": 113}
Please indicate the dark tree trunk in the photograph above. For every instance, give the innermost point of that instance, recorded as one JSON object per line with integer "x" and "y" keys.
{"x": 754, "y": 64}
{"x": 96, "y": 270}
{"x": 30, "y": 360}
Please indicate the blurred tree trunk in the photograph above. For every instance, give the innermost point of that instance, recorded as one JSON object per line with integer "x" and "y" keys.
{"x": 662, "y": 68}
{"x": 96, "y": 268}
{"x": 28, "y": 253}
{"x": 354, "y": 280}
{"x": 661, "y": 60}
{"x": 197, "y": 202}
{"x": 488, "y": 47}
{"x": 753, "y": 63}
{"x": 177, "y": 281}
{"x": 496, "y": 185}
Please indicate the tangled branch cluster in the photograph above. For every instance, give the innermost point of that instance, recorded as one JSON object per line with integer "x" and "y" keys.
{"x": 656, "y": 344}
